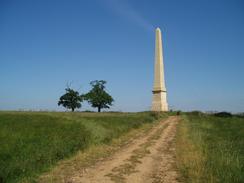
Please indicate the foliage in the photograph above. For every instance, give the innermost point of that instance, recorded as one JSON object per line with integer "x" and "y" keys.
{"x": 178, "y": 113}
{"x": 223, "y": 114}
{"x": 195, "y": 113}
{"x": 71, "y": 99}
{"x": 210, "y": 149}
{"x": 97, "y": 96}
{"x": 32, "y": 142}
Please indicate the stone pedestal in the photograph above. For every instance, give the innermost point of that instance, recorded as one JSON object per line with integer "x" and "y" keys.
{"x": 157, "y": 104}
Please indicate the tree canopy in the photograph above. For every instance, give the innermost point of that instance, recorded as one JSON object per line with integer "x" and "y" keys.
{"x": 97, "y": 96}
{"x": 71, "y": 99}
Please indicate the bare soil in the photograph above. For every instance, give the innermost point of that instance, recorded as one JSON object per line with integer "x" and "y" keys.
{"x": 146, "y": 159}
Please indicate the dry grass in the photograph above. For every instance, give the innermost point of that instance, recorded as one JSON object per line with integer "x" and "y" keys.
{"x": 190, "y": 159}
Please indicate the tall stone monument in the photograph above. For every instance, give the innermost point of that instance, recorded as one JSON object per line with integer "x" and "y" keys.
{"x": 159, "y": 102}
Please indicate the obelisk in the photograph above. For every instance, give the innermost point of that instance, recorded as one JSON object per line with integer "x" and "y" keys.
{"x": 159, "y": 102}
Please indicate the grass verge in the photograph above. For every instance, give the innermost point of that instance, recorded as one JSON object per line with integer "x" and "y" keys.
{"x": 210, "y": 149}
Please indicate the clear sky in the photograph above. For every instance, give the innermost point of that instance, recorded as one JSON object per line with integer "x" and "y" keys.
{"x": 46, "y": 43}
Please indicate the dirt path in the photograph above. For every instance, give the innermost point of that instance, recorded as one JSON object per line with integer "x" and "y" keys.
{"x": 147, "y": 159}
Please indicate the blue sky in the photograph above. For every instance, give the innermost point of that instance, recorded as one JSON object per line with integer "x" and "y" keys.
{"x": 46, "y": 43}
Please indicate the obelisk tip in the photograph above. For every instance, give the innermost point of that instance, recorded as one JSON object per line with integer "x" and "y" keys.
{"x": 158, "y": 29}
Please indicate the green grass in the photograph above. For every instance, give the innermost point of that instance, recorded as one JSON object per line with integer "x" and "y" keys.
{"x": 33, "y": 142}
{"x": 211, "y": 149}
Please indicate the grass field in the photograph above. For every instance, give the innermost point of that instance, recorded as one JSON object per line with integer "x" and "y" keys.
{"x": 211, "y": 149}
{"x": 32, "y": 142}
{"x": 208, "y": 148}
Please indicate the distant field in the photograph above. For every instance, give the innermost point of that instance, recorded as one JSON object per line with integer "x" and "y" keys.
{"x": 32, "y": 142}
{"x": 211, "y": 149}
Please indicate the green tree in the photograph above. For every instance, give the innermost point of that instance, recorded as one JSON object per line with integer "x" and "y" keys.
{"x": 71, "y": 99}
{"x": 97, "y": 96}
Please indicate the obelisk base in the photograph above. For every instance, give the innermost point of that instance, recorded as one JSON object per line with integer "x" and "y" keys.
{"x": 159, "y": 101}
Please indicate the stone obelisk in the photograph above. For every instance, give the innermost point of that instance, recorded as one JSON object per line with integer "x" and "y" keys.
{"x": 159, "y": 102}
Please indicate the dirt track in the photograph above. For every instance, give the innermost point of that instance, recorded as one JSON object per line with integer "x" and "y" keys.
{"x": 147, "y": 159}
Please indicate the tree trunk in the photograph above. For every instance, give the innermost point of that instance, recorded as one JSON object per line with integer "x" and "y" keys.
{"x": 99, "y": 109}
{"x": 72, "y": 109}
